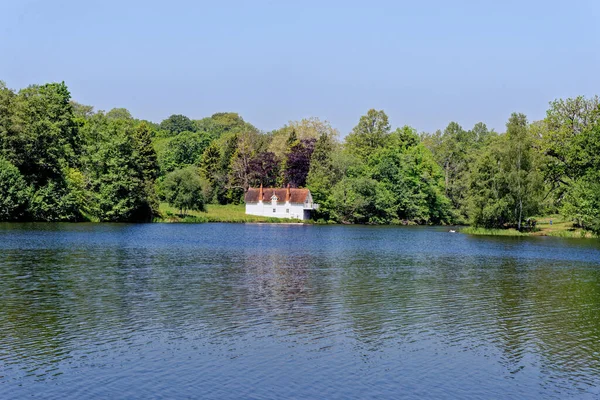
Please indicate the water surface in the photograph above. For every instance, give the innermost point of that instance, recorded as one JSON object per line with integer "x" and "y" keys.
{"x": 223, "y": 311}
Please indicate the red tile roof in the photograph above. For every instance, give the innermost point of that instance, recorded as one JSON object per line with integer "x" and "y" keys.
{"x": 296, "y": 195}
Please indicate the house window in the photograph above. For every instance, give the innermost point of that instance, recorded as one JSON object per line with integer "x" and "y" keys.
{"x": 274, "y": 210}
{"x": 287, "y": 210}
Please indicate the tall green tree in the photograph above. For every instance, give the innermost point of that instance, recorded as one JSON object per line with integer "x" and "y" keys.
{"x": 411, "y": 183}
{"x": 7, "y": 98}
{"x": 581, "y": 202}
{"x": 240, "y": 172}
{"x": 321, "y": 177}
{"x": 42, "y": 138}
{"x": 558, "y": 138}
{"x": 119, "y": 181}
{"x": 454, "y": 154}
{"x": 397, "y": 182}
{"x": 42, "y": 141}
{"x": 210, "y": 170}
{"x": 523, "y": 177}
{"x": 145, "y": 153}
{"x": 370, "y": 134}
{"x": 505, "y": 185}
{"x": 488, "y": 197}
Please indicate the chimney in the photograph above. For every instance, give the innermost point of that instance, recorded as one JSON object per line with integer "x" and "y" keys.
{"x": 260, "y": 194}
{"x": 288, "y": 194}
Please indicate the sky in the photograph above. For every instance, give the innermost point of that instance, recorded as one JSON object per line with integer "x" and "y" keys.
{"x": 425, "y": 63}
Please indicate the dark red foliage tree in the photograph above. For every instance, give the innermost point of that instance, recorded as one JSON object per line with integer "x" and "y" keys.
{"x": 298, "y": 162}
{"x": 263, "y": 169}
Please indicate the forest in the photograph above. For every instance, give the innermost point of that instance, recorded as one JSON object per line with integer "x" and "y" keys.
{"x": 64, "y": 161}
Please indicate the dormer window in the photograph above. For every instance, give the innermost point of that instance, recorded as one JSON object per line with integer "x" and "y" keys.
{"x": 274, "y": 198}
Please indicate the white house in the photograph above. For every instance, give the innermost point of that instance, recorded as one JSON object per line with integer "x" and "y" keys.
{"x": 280, "y": 203}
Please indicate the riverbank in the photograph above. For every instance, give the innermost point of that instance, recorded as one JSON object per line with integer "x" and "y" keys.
{"x": 560, "y": 227}
{"x": 230, "y": 213}
{"x": 236, "y": 213}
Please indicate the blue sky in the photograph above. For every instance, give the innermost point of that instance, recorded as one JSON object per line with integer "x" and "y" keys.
{"x": 425, "y": 63}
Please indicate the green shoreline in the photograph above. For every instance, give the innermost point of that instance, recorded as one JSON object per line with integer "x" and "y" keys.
{"x": 231, "y": 213}
{"x": 236, "y": 214}
{"x": 560, "y": 227}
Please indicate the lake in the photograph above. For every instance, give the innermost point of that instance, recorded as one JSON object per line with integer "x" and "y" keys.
{"x": 234, "y": 311}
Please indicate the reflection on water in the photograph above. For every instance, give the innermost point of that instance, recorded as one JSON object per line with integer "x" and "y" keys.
{"x": 262, "y": 311}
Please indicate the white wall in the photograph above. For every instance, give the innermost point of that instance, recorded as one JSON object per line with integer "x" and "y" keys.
{"x": 266, "y": 209}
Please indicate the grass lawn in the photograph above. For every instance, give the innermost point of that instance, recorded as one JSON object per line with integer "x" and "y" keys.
{"x": 217, "y": 213}
{"x": 560, "y": 227}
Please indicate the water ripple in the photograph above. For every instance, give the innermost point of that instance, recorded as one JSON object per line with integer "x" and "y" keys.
{"x": 243, "y": 311}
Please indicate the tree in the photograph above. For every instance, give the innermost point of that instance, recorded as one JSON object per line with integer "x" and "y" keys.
{"x": 398, "y": 181}
{"x": 42, "y": 141}
{"x": 145, "y": 153}
{"x": 54, "y": 202}
{"x": 558, "y": 139}
{"x": 523, "y": 179}
{"x": 488, "y": 200}
{"x": 370, "y": 134}
{"x": 7, "y": 98}
{"x": 177, "y": 123}
{"x": 410, "y": 182}
{"x": 14, "y": 192}
{"x": 454, "y": 152}
{"x": 183, "y": 190}
{"x": 263, "y": 170}
{"x": 505, "y": 184}
{"x": 297, "y": 163}
{"x": 183, "y": 150}
{"x": 119, "y": 113}
{"x": 82, "y": 110}
{"x": 118, "y": 180}
{"x": 219, "y": 124}
{"x": 354, "y": 200}
{"x": 320, "y": 178}
{"x": 240, "y": 162}
{"x": 480, "y": 134}
{"x": 211, "y": 171}
{"x": 307, "y": 128}
{"x": 42, "y": 138}
{"x": 582, "y": 201}
{"x": 224, "y": 189}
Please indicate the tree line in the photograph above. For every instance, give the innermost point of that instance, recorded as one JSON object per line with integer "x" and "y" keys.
{"x": 64, "y": 161}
